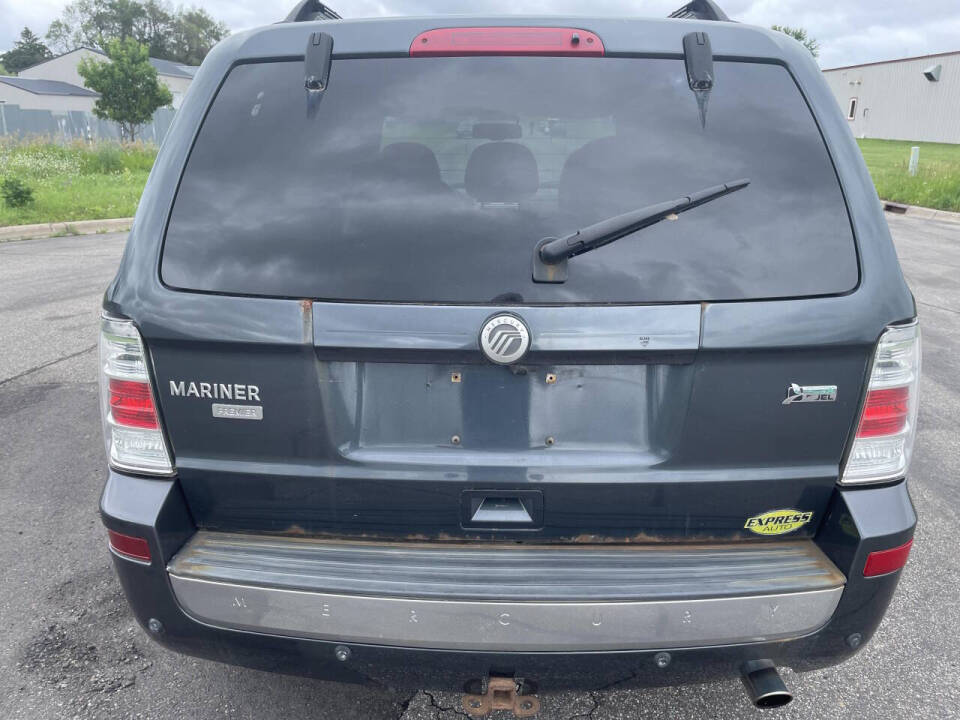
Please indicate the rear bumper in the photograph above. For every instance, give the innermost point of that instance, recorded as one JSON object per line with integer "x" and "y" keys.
{"x": 413, "y": 639}
{"x": 507, "y": 598}
{"x": 507, "y": 627}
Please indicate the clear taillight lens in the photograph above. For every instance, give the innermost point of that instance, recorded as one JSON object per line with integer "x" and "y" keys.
{"x": 888, "y": 422}
{"x": 131, "y": 427}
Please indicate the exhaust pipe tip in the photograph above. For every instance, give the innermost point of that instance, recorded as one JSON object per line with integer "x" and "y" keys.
{"x": 764, "y": 685}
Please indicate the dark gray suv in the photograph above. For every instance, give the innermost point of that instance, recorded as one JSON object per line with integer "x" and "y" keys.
{"x": 509, "y": 354}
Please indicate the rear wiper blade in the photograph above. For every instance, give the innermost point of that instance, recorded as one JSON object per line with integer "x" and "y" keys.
{"x": 551, "y": 254}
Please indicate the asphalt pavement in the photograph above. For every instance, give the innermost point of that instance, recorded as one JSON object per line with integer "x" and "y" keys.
{"x": 72, "y": 649}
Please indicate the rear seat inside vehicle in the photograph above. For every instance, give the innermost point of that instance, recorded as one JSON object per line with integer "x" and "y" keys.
{"x": 502, "y": 173}
{"x": 413, "y": 164}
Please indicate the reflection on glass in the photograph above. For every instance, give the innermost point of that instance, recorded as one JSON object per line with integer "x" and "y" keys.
{"x": 432, "y": 179}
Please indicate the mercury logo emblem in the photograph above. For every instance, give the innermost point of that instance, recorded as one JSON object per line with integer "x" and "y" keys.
{"x": 504, "y": 339}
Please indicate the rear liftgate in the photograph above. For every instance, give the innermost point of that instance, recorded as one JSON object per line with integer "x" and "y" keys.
{"x": 488, "y": 426}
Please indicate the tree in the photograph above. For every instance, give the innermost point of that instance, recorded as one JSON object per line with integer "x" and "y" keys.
{"x": 157, "y": 27}
{"x": 183, "y": 35}
{"x": 129, "y": 89}
{"x": 3, "y": 70}
{"x": 73, "y": 28}
{"x": 26, "y": 51}
{"x": 94, "y": 23}
{"x": 194, "y": 35}
{"x": 800, "y": 35}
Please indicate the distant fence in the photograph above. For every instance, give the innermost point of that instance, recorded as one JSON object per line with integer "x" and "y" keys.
{"x": 76, "y": 124}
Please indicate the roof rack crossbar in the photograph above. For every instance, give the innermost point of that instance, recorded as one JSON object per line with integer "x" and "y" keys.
{"x": 700, "y": 10}
{"x": 307, "y": 10}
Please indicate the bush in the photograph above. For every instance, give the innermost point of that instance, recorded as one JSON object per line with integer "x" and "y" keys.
{"x": 16, "y": 193}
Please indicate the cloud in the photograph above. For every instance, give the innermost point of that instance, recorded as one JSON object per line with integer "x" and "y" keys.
{"x": 849, "y": 31}
{"x": 35, "y": 14}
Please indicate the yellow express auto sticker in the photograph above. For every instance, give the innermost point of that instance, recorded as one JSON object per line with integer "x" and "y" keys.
{"x": 778, "y": 522}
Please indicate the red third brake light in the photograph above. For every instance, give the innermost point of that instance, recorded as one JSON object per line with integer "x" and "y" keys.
{"x": 131, "y": 404}
{"x": 462, "y": 41}
{"x": 883, "y": 562}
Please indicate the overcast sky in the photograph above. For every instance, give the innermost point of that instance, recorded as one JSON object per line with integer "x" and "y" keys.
{"x": 849, "y": 31}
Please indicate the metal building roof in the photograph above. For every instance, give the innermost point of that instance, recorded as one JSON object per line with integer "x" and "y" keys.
{"x": 163, "y": 67}
{"x": 47, "y": 87}
{"x": 168, "y": 67}
{"x": 894, "y": 60}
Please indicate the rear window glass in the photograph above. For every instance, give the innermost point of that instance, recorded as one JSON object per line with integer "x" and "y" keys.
{"x": 432, "y": 180}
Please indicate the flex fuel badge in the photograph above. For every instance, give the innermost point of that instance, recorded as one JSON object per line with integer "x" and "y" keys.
{"x": 778, "y": 522}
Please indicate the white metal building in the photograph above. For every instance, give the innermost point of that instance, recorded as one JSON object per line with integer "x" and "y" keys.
{"x": 53, "y": 95}
{"x": 914, "y": 98}
{"x": 49, "y": 98}
{"x": 63, "y": 68}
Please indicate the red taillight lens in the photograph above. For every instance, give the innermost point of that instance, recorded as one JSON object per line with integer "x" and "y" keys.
{"x": 131, "y": 404}
{"x": 463, "y": 41}
{"x": 882, "y": 562}
{"x": 885, "y": 412}
{"x": 129, "y": 546}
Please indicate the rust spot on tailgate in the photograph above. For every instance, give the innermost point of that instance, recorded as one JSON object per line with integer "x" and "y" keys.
{"x": 583, "y": 539}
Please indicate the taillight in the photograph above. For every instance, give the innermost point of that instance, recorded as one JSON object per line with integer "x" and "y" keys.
{"x": 885, "y": 412}
{"x": 888, "y": 422}
{"x": 131, "y": 427}
{"x": 131, "y": 404}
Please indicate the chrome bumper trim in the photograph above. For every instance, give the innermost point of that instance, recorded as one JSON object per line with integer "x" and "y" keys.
{"x": 506, "y": 626}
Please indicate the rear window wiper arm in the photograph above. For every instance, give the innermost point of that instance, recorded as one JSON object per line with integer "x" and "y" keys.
{"x": 551, "y": 254}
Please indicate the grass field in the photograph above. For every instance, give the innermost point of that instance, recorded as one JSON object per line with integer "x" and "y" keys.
{"x": 75, "y": 181}
{"x": 91, "y": 182}
{"x": 936, "y": 184}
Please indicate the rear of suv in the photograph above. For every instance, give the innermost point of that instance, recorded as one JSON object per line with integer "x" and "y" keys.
{"x": 532, "y": 353}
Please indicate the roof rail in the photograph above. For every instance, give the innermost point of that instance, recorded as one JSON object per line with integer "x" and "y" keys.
{"x": 307, "y": 10}
{"x": 700, "y": 10}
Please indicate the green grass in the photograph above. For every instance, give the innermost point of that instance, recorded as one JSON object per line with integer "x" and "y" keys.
{"x": 936, "y": 184}
{"x": 75, "y": 181}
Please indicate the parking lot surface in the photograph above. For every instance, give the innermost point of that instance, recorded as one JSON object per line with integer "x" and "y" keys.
{"x": 72, "y": 649}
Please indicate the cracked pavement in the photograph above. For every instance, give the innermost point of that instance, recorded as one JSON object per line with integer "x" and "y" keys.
{"x": 72, "y": 650}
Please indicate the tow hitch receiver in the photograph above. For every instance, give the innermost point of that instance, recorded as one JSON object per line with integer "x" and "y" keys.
{"x": 501, "y": 694}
